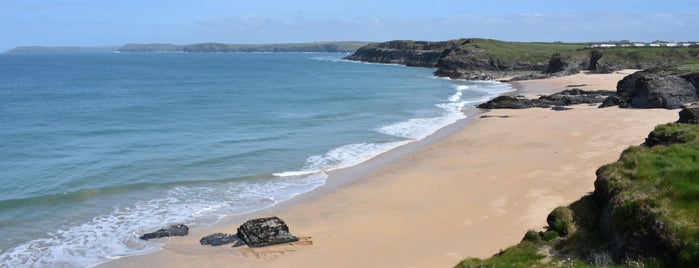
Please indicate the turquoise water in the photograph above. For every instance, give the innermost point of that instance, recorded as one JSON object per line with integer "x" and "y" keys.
{"x": 98, "y": 148}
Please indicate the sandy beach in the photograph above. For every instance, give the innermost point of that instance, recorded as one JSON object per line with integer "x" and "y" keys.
{"x": 469, "y": 191}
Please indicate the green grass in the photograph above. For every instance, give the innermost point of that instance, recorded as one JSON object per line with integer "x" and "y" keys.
{"x": 521, "y": 51}
{"x": 694, "y": 68}
{"x": 666, "y": 179}
{"x": 523, "y": 255}
{"x": 686, "y": 58}
{"x": 640, "y": 56}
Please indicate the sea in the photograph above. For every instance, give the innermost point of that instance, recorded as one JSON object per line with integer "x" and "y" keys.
{"x": 99, "y": 148}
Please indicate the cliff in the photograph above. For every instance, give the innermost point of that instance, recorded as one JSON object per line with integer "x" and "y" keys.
{"x": 405, "y": 52}
{"x": 486, "y": 59}
{"x": 642, "y": 213}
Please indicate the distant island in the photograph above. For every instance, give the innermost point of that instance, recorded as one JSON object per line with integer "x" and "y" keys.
{"x": 336, "y": 47}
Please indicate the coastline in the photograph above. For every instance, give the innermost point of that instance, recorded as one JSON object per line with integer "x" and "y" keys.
{"x": 469, "y": 190}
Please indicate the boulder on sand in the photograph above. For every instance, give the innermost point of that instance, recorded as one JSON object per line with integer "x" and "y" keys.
{"x": 265, "y": 231}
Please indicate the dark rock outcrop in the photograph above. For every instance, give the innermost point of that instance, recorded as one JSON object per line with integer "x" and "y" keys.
{"x": 689, "y": 114}
{"x": 612, "y": 101}
{"x": 557, "y": 100}
{"x": 655, "y": 88}
{"x": 559, "y": 65}
{"x": 172, "y": 230}
{"x": 507, "y": 102}
{"x": 480, "y": 64}
{"x": 265, "y": 231}
{"x": 219, "y": 239}
{"x": 595, "y": 56}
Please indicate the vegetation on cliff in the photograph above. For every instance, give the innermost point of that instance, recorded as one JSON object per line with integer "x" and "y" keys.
{"x": 643, "y": 213}
{"x": 488, "y": 59}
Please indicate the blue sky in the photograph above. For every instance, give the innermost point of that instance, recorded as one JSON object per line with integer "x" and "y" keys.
{"x": 109, "y": 22}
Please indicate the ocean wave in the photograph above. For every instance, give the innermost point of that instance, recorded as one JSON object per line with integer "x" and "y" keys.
{"x": 410, "y": 130}
{"x": 342, "y": 157}
{"x": 111, "y": 236}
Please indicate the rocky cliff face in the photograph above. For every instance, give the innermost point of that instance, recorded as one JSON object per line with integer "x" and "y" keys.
{"x": 656, "y": 88}
{"x": 450, "y": 59}
{"x": 479, "y": 64}
{"x": 409, "y": 53}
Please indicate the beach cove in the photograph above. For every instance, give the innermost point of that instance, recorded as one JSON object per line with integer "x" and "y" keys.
{"x": 470, "y": 190}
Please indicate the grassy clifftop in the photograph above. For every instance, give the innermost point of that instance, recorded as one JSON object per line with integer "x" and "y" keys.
{"x": 644, "y": 213}
{"x": 521, "y": 51}
{"x": 477, "y": 58}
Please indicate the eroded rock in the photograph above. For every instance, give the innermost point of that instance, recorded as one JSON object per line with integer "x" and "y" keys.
{"x": 655, "y": 88}
{"x": 557, "y": 100}
{"x": 219, "y": 239}
{"x": 689, "y": 114}
{"x": 172, "y": 230}
{"x": 265, "y": 231}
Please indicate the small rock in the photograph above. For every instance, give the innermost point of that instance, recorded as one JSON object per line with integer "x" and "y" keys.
{"x": 498, "y": 116}
{"x": 610, "y": 101}
{"x": 689, "y": 114}
{"x": 561, "y": 108}
{"x": 218, "y": 239}
{"x": 173, "y": 230}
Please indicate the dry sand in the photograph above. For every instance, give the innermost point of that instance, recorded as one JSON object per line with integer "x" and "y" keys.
{"x": 468, "y": 194}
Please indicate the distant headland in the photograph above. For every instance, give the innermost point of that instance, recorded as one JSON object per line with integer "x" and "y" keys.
{"x": 338, "y": 47}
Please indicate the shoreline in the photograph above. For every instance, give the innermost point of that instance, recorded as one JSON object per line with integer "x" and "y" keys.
{"x": 469, "y": 190}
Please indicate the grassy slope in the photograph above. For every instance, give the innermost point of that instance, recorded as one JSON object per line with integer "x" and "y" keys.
{"x": 662, "y": 55}
{"x": 538, "y": 52}
{"x": 521, "y": 51}
{"x": 663, "y": 178}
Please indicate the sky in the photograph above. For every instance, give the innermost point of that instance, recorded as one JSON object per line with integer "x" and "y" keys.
{"x": 114, "y": 23}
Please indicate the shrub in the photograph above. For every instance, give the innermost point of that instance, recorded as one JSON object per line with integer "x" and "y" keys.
{"x": 560, "y": 220}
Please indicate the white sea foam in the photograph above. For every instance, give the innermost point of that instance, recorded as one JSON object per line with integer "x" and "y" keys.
{"x": 410, "y": 130}
{"x": 342, "y": 157}
{"x": 115, "y": 235}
